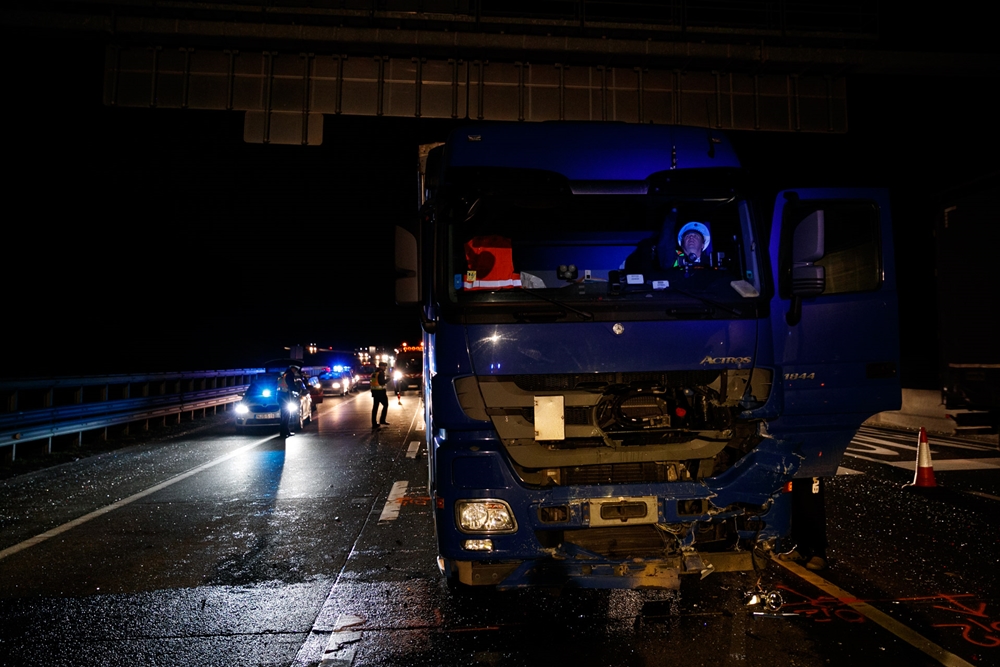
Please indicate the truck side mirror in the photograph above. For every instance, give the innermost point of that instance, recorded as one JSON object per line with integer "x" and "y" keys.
{"x": 807, "y": 247}
{"x": 407, "y": 285}
{"x": 807, "y": 278}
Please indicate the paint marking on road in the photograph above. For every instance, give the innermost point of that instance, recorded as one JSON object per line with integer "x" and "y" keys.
{"x": 848, "y": 471}
{"x": 341, "y": 647}
{"x": 932, "y": 440}
{"x": 413, "y": 450}
{"x": 950, "y": 464}
{"x": 983, "y": 494}
{"x": 58, "y": 530}
{"x": 906, "y": 633}
{"x": 391, "y": 510}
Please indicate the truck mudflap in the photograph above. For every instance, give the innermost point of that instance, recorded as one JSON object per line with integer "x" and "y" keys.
{"x": 581, "y": 570}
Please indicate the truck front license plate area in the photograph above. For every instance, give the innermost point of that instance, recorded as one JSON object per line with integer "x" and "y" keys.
{"x": 622, "y": 511}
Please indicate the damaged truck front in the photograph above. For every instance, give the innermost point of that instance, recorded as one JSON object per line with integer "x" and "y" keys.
{"x": 621, "y": 374}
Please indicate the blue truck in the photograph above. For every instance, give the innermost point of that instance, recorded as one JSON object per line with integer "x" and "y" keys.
{"x": 611, "y": 401}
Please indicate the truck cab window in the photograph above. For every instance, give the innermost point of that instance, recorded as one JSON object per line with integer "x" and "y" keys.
{"x": 585, "y": 248}
{"x": 851, "y": 243}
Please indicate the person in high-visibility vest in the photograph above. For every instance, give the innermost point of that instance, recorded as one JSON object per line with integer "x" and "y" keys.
{"x": 379, "y": 395}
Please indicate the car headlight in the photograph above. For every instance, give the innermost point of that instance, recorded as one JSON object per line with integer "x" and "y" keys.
{"x": 241, "y": 409}
{"x": 291, "y": 406}
{"x": 397, "y": 376}
{"x": 335, "y": 385}
{"x": 485, "y": 516}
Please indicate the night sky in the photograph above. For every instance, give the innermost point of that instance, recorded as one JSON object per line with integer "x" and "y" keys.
{"x": 147, "y": 240}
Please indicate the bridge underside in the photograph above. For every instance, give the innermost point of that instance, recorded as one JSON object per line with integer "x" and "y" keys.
{"x": 285, "y": 95}
{"x": 741, "y": 65}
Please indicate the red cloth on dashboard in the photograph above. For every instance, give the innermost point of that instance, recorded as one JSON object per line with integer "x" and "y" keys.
{"x": 490, "y": 262}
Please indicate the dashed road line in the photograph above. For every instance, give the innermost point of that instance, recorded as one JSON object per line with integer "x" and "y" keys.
{"x": 413, "y": 450}
{"x": 343, "y": 640}
{"x": 390, "y": 512}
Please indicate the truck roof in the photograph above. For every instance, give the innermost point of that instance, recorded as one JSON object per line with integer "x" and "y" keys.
{"x": 590, "y": 151}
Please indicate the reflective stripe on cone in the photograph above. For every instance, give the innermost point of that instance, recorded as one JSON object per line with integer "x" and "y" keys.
{"x": 924, "y": 475}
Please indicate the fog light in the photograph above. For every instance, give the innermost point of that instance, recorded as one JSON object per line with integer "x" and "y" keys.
{"x": 478, "y": 545}
{"x": 485, "y": 516}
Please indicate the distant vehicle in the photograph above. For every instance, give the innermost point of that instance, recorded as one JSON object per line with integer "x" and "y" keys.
{"x": 365, "y": 377}
{"x": 315, "y": 390}
{"x": 409, "y": 370}
{"x": 259, "y": 405}
{"x": 337, "y": 383}
{"x": 350, "y": 377}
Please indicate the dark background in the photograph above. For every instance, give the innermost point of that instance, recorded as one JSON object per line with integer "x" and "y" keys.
{"x": 147, "y": 240}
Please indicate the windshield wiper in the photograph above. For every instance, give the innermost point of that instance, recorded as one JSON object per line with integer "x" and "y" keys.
{"x": 582, "y": 313}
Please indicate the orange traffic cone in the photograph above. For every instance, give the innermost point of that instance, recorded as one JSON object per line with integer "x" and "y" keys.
{"x": 924, "y": 475}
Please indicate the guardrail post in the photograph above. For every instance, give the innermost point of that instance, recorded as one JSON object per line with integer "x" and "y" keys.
{"x": 126, "y": 394}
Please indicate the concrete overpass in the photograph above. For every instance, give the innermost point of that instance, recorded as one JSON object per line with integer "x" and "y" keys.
{"x": 738, "y": 64}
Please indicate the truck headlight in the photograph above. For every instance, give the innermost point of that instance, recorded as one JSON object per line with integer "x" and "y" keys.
{"x": 485, "y": 516}
{"x": 397, "y": 376}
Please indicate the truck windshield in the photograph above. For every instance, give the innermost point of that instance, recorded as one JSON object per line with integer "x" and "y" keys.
{"x": 603, "y": 252}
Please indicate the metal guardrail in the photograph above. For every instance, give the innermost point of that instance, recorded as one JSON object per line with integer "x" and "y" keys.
{"x": 46, "y": 408}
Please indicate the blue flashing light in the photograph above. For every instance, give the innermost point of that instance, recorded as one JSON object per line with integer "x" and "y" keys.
{"x": 338, "y": 368}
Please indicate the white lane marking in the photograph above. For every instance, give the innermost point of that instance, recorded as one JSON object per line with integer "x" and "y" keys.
{"x": 951, "y": 464}
{"x": 869, "y": 458}
{"x": 418, "y": 414}
{"x": 411, "y": 453}
{"x": 848, "y": 471}
{"x": 392, "y": 503}
{"x": 868, "y": 448}
{"x": 983, "y": 494}
{"x": 904, "y": 632}
{"x": 58, "y": 530}
{"x": 863, "y": 436}
{"x": 341, "y": 647}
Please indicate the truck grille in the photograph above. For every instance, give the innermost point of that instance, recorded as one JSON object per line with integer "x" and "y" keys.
{"x": 622, "y": 543}
{"x": 615, "y": 473}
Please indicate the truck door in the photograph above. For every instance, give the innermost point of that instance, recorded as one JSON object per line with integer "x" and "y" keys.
{"x": 833, "y": 315}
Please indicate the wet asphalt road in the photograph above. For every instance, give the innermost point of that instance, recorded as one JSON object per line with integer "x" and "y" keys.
{"x": 216, "y": 549}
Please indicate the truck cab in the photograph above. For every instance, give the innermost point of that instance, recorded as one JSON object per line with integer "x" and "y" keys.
{"x": 613, "y": 399}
